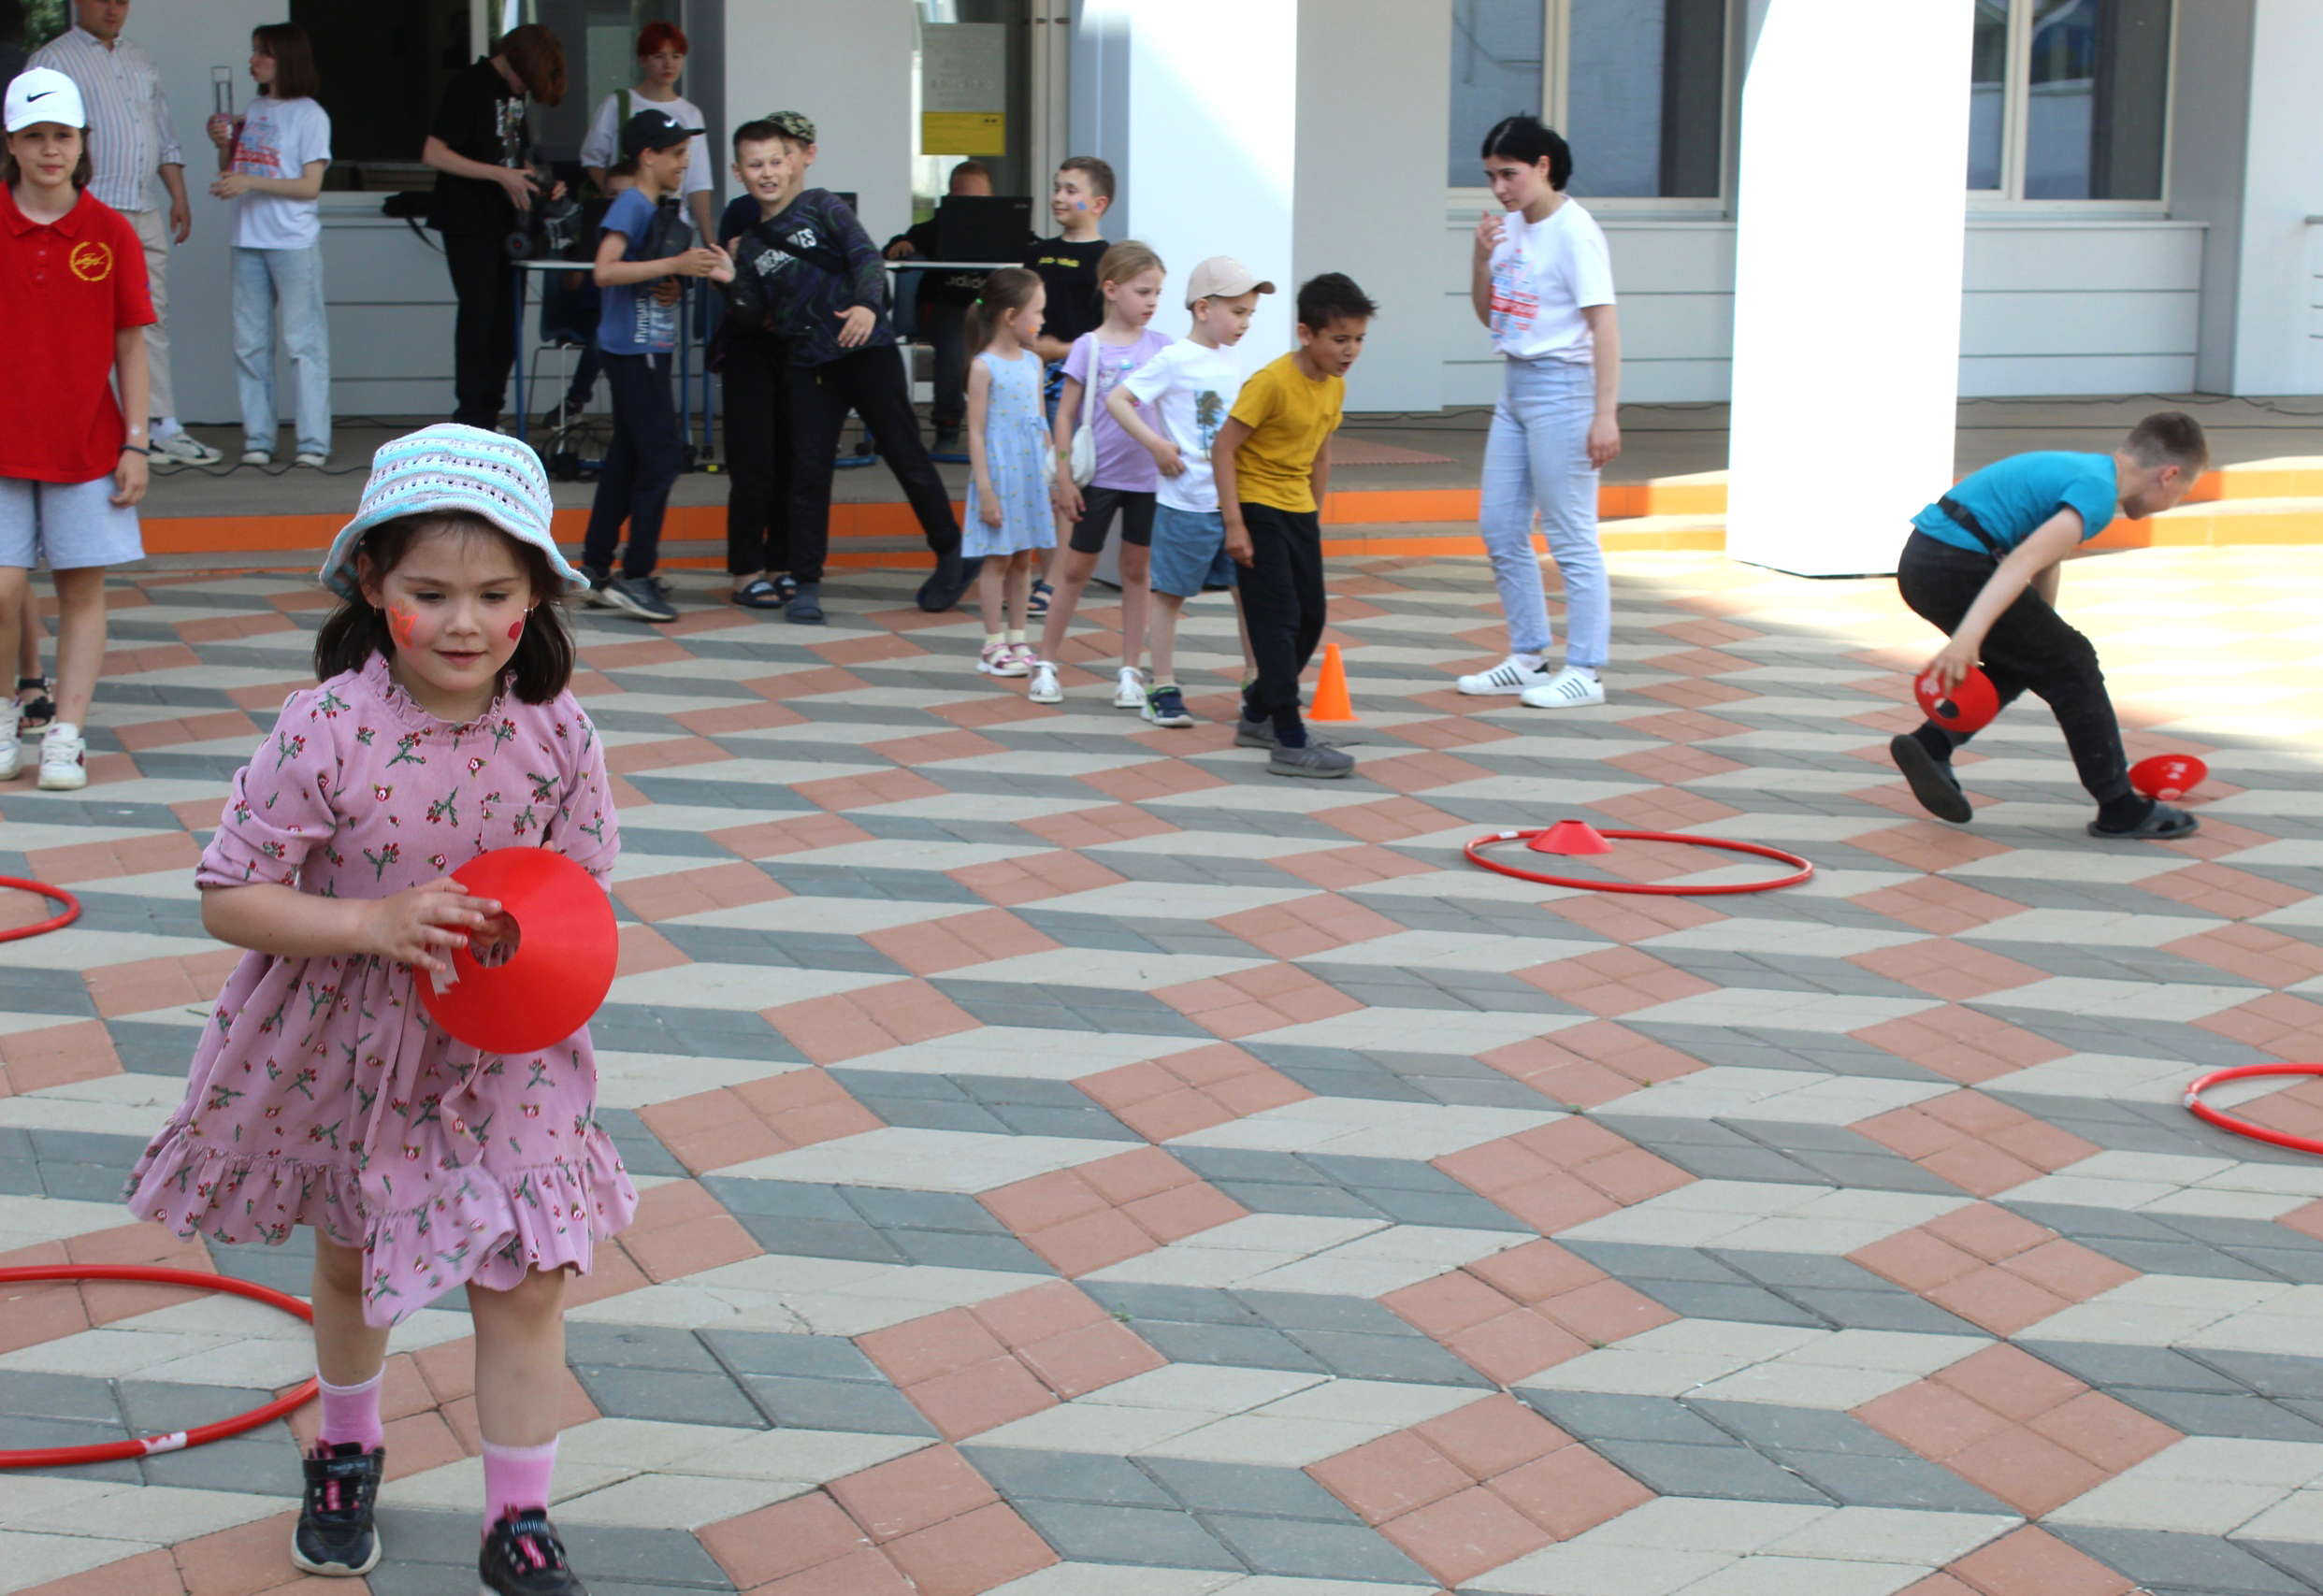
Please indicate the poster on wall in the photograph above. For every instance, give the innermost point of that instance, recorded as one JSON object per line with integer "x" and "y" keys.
{"x": 963, "y": 89}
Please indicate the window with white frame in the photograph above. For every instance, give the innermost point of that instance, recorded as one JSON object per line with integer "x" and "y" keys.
{"x": 1637, "y": 87}
{"x": 2069, "y": 99}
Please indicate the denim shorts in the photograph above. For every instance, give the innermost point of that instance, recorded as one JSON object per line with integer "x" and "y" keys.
{"x": 69, "y": 525}
{"x": 1189, "y": 551}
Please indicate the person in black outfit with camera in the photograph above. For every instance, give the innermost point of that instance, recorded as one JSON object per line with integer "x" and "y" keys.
{"x": 478, "y": 144}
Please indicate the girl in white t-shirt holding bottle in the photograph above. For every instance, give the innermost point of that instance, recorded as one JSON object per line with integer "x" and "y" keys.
{"x": 1542, "y": 280}
{"x": 272, "y": 160}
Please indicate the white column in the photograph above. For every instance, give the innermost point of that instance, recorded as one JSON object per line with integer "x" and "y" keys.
{"x": 1852, "y": 210}
{"x": 2278, "y": 331}
{"x": 1195, "y": 104}
{"x": 847, "y": 64}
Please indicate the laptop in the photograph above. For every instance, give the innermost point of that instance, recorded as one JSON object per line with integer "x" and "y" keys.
{"x": 983, "y": 227}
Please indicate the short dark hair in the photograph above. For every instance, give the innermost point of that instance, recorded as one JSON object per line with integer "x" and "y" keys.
{"x": 764, "y": 129}
{"x": 1099, "y": 173}
{"x": 1527, "y": 139}
{"x": 969, "y": 168}
{"x": 538, "y": 58}
{"x": 1331, "y": 297}
{"x": 2170, "y": 437}
{"x": 355, "y": 631}
{"x": 295, "y": 77}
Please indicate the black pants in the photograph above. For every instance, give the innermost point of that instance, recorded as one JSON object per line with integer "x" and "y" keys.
{"x": 946, "y": 329}
{"x": 756, "y": 377}
{"x": 869, "y": 381}
{"x": 2030, "y": 649}
{"x": 483, "y": 333}
{"x": 1282, "y": 602}
{"x": 641, "y": 465}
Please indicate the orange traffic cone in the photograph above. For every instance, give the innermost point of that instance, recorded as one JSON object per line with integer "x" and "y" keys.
{"x": 1330, "y": 700}
{"x": 1570, "y": 837}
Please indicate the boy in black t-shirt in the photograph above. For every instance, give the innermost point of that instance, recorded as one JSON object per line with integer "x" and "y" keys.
{"x": 1067, "y": 268}
{"x": 477, "y": 144}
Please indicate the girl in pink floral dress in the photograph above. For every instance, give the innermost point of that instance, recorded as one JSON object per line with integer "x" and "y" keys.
{"x": 320, "y": 1093}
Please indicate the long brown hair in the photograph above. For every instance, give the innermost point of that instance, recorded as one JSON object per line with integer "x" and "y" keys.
{"x": 537, "y": 57}
{"x": 1005, "y": 291}
{"x": 295, "y": 77}
{"x": 355, "y": 631}
{"x": 83, "y": 170}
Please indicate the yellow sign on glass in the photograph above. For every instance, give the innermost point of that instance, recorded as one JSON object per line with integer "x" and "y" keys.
{"x": 963, "y": 133}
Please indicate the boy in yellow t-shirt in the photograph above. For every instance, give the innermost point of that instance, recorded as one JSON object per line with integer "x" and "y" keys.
{"x": 1272, "y": 473}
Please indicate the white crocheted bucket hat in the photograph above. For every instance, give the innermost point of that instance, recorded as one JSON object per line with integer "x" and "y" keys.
{"x": 449, "y": 467}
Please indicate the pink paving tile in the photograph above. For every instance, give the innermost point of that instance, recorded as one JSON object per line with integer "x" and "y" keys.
{"x": 1570, "y": 1491}
{"x": 922, "y": 1348}
{"x": 976, "y": 1552}
{"x": 2032, "y": 1563}
{"x": 1465, "y": 1534}
{"x": 1391, "y": 1476}
{"x": 903, "y": 1497}
{"x": 1490, "y": 1437}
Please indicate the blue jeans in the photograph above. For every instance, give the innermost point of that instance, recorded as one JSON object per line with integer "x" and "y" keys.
{"x": 291, "y": 279}
{"x": 642, "y": 464}
{"x": 1537, "y": 457}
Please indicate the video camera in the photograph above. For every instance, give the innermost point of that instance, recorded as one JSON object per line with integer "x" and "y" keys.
{"x": 548, "y": 230}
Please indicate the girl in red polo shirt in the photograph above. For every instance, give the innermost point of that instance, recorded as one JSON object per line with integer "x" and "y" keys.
{"x": 72, "y": 273}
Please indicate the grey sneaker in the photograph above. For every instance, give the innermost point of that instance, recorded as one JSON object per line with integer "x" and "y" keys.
{"x": 1312, "y": 760}
{"x": 1254, "y": 734}
{"x": 636, "y": 594}
{"x": 594, "y": 594}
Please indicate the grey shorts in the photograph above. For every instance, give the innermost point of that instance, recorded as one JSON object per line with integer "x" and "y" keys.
{"x": 69, "y": 525}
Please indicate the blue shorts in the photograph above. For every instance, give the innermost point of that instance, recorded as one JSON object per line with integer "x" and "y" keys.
{"x": 1189, "y": 551}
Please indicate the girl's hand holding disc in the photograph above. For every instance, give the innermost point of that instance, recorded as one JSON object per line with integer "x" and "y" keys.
{"x": 417, "y": 924}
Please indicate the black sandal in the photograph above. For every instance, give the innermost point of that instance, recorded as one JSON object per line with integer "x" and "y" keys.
{"x": 2162, "y": 824}
{"x": 760, "y": 594}
{"x": 38, "y": 710}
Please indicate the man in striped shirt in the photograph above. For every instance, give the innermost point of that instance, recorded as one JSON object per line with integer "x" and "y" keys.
{"x": 130, "y": 143}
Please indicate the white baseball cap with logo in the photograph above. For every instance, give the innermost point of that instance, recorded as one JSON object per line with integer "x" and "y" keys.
{"x": 44, "y": 94}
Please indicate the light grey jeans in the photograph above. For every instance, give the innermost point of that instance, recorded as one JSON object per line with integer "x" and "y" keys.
{"x": 292, "y": 281}
{"x": 1537, "y": 457}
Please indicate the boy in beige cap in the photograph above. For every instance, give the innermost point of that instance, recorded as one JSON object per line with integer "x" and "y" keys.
{"x": 1188, "y": 387}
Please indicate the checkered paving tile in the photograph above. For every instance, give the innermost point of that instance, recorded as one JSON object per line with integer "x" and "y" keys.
{"x": 1076, "y": 1164}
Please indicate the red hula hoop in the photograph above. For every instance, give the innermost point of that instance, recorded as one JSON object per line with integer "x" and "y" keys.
{"x": 2225, "y": 1121}
{"x": 147, "y": 1446}
{"x": 1662, "y": 889}
{"x": 55, "y": 922}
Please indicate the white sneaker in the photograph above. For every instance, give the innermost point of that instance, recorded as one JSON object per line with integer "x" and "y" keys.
{"x": 308, "y": 457}
{"x": 1129, "y": 688}
{"x": 182, "y": 448}
{"x": 256, "y": 457}
{"x": 12, "y": 751}
{"x": 1568, "y": 689}
{"x": 64, "y": 759}
{"x": 1045, "y": 689}
{"x": 1511, "y": 675}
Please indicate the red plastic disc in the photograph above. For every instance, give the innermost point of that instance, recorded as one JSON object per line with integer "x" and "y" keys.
{"x": 1968, "y": 707}
{"x": 54, "y": 922}
{"x": 2168, "y": 776}
{"x": 2225, "y": 1121}
{"x": 146, "y": 1445}
{"x": 563, "y": 966}
{"x": 1660, "y": 889}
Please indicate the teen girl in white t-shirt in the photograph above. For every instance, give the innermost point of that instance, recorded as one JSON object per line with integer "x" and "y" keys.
{"x": 272, "y": 160}
{"x": 1542, "y": 280}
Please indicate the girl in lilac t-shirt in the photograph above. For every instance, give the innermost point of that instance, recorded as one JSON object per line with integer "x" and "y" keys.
{"x": 1126, "y": 479}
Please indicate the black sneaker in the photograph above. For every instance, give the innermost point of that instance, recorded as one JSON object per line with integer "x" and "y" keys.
{"x": 636, "y": 594}
{"x": 594, "y": 595}
{"x": 522, "y": 1556}
{"x": 335, "y": 1536}
{"x": 953, "y": 577}
{"x": 1932, "y": 780}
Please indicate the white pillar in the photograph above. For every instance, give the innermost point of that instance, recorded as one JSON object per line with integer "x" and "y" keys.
{"x": 2276, "y": 346}
{"x": 1195, "y": 104}
{"x": 1852, "y": 210}
{"x": 847, "y": 64}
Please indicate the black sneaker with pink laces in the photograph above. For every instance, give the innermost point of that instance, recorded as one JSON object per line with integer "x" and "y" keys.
{"x": 522, "y": 1556}
{"x": 335, "y": 1536}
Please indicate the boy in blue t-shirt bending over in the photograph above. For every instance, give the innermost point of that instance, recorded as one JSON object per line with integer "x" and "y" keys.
{"x": 1981, "y": 564}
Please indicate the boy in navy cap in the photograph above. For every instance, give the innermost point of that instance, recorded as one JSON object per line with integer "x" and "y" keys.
{"x": 642, "y": 249}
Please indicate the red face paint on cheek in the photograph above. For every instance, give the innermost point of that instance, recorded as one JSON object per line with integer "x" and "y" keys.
{"x": 515, "y": 629}
{"x": 404, "y": 624}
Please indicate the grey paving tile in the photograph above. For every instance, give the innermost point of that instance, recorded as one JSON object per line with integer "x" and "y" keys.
{"x": 26, "y": 1394}
{"x": 1140, "y": 1537}
{"x": 1247, "y": 1346}
{"x": 2198, "y": 1562}
{"x": 1187, "y": 1305}
{"x": 1247, "y": 1488}
{"x": 2244, "y": 1416}
{"x": 955, "y": 1249}
{"x": 807, "y": 1357}
{"x": 636, "y": 1346}
{"x": 1596, "y": 1416}
{"x": 1294, "y": 1548}
{"x": 1021, "y": 1474}
{"x": 792, "y": 1402}
{"x": 669, "y": 1395}
{"x": 262, "y": 1468}
{"x": 1771, "y": 1427}
{"x": 2269, "y": 1374}
{"x": 894, "y": 1209}
{"x": 2111, "y": 1366}
{"x": 1414, "y": 1359}
{"x": 1300, "y": 1312}
{"x": 1738, "y": 1300}
{"x": 1734, "y": 1474}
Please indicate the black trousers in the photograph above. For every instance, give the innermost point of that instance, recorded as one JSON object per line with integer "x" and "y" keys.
{"x": 641, "y": 465}
{"x": 755, "y": 380}
{"x": 2030, "y": 649}
{"x": 946, "y": 329}
{"x": 483, "y": 333}
{"x": 1282, "y": 602}
{"x": 869, "y": 381}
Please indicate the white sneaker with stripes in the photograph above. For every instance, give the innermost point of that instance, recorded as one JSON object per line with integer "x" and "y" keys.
{"x": 1511, "y": 675}
{"x": 1568, "y": 689}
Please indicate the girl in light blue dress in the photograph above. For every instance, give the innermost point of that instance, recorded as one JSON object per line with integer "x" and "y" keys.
{"x": 1009, "y": 517}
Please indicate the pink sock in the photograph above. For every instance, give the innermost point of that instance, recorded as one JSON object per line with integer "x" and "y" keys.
{"x": 516, "y": 1477}
{"x": 350, "y": 1414}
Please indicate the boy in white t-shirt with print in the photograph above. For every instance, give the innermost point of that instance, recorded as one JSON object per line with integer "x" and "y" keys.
{"x": 1189, "y": 387}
